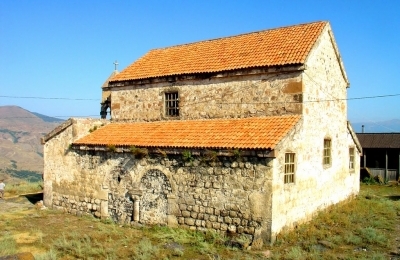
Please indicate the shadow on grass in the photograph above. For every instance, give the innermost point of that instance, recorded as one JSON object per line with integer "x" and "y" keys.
{"x": 394, "y": 198}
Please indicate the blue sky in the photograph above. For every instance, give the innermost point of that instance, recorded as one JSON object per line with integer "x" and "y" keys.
{"x": 66, "y": 49}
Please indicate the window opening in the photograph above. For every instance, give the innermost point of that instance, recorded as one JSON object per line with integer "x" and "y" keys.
{"x": 327, "y": 152}
{"x": 172, "y": 104}
{"x": 351, "y": 158}
{"x": 289, "y": 168}
{"x": 105, "y": 108}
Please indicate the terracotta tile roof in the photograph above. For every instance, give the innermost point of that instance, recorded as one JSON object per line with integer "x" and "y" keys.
{"x": 379, "y": 140}
{"x": 245, "y": 133}
{"x": 274, "y": 47}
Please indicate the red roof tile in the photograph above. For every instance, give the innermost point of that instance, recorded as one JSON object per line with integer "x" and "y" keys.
{"x": 274, "y": 47}
{"x": 244, "y": 133}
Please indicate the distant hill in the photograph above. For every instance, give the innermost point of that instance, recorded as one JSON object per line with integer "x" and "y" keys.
{"x": 21, "y": 153}
{"x": 48, "y": 119}
{"x": 389, "y": 126}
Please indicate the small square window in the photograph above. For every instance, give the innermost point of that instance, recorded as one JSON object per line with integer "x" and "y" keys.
{"x": 351, "y": 158}
{"x": 172, "y": 104}
{"x": 327, "y": 152}
{"x": 289, "y": 168}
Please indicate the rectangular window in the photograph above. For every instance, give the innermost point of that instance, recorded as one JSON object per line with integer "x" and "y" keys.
{"x": 351, "y": 158}
{"x": 172, "y": 104}
{"x": 289, "y": 168}
{"x": 327, "y": 152}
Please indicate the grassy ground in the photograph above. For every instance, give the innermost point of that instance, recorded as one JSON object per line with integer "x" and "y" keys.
{"x": 364, "y": 228}
{"x": 15, "y": 188}
{"x": 367, "y": 227}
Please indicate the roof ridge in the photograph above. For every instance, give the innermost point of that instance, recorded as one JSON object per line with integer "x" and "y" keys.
{"x": 236, "y": 35}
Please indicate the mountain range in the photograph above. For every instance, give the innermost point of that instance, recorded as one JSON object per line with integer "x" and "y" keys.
{"x": 21, "y": 152}
{"x": 389, "y": 126}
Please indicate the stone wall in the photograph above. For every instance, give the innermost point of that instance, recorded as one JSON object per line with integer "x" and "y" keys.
{"x": 229, "y": 194}
{"x": 223, "y": 97}
{"x": 57, "y": 156}
{"x": 316, "y": 185}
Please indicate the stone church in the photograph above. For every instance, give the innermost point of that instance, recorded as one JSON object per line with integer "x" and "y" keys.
{"x": 246, "y": 134}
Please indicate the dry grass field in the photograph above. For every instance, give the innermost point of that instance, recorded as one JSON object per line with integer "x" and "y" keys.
{"x": 367, "y": 227}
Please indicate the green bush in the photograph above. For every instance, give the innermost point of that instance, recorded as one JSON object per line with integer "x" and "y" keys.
{"x": 369, "y": 180}
{"x": 146, "y": 250}
{"x": 372, "y": 236}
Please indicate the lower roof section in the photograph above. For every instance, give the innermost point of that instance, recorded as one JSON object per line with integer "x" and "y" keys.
{"x": 379, "y": 140}
{"x": 241, "y": 133}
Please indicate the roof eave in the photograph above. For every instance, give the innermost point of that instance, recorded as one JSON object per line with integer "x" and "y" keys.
{"x": 282, "y": 68}
{"x": 220, "y": 151}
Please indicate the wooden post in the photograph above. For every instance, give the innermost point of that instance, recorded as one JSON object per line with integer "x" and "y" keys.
{"x": 365, "y": 158}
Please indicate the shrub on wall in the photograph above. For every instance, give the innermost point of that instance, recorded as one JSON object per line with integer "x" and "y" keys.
{"x": 187, "y": 156}
{"x": 211, "y": 156}
{"x": 139, "y": 152}
{"x": 111, "y": 148}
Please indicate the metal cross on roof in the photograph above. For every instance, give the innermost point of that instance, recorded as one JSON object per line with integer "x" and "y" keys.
{"x": 115, "y": 64}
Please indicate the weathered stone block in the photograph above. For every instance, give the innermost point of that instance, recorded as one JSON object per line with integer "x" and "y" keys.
{"x": 236, "y": 221}
{"x": 185, "y": 213}
{"x": 226, "y": 171}
{"x": 224, "y": 227}
{"x": 216, "y": 225}
{"x": 209, "y": 224}
{"x": 228, "y": 220}
{"x": 232, "y": 228}
{"x": 232, "y": 214}
{"x": 240, "y": 229}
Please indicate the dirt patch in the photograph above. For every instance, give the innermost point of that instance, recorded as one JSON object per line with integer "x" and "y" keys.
{"x": 19, "y": 203}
